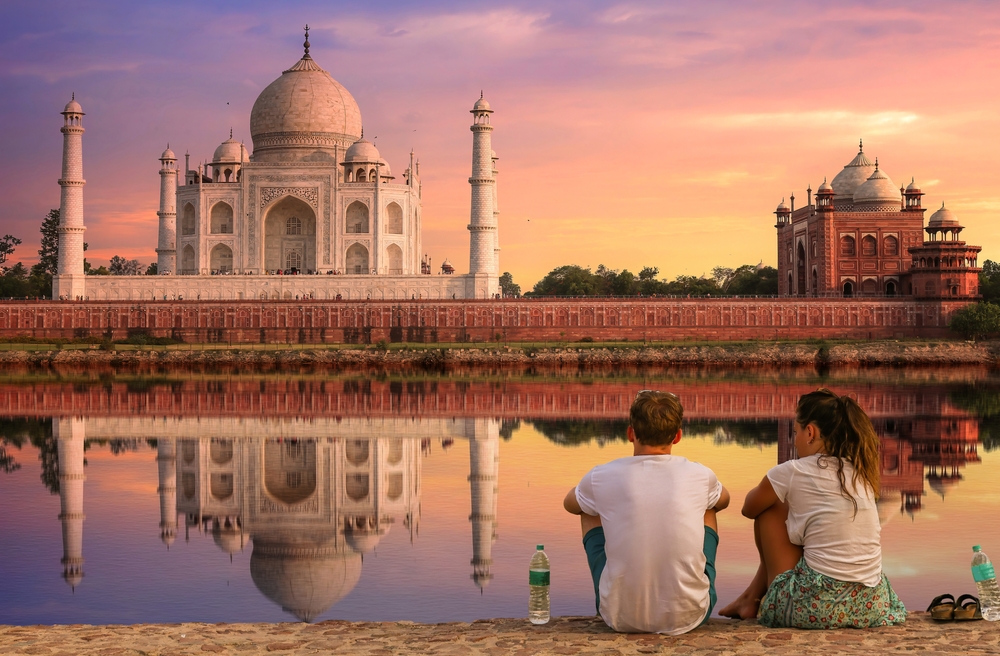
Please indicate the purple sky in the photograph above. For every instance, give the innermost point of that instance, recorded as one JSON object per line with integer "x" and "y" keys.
{"x": 630, "y": 134}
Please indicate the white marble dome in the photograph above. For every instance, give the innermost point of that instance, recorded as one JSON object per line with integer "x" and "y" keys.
{"x": 231, "y": 150}
{"x": 877, "y": 190}
{"x": 825, "y": 186}
{"x": 362, "y": 151}
{"x": 481, "y": 106}
{"x": 73, "y": 107}
{"x": 857, "y": 171}
{"x": 168, "y": 154}
{"x": 302, "y": 115}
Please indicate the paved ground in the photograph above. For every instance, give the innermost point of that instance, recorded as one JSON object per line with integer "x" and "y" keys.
{"x": 565, "y": 635}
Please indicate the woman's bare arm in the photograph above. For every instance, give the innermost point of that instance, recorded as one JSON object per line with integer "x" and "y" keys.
{"x": 759, "y": 499}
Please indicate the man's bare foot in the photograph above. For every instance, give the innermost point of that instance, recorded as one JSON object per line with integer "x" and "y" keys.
{"x": 744, "y": 608}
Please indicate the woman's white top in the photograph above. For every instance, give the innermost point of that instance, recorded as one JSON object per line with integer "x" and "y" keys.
{"x": 834, "y": 540}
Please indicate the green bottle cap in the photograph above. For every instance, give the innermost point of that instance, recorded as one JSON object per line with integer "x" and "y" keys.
{"x": 539, "y": 547}
{"x": 977, "y": 548}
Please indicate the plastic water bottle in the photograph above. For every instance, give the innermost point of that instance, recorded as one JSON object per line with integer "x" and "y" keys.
{"x": 986, "y": 582}
{"x": 538, "y": 582}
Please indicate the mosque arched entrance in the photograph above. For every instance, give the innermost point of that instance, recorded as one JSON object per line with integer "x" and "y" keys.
{"x": 290, "y": 470}
{"x": 290, "y": 236}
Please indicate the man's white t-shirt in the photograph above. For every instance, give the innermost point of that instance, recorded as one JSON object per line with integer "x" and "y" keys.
{"x": 834, "y": 540}
{"x": 652, "y": 509}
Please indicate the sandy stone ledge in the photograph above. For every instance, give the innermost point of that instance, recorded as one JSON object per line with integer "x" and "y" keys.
{"x": 564, "y": 635}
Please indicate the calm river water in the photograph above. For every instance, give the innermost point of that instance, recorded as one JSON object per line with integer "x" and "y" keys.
{"x": 274, "y": 498}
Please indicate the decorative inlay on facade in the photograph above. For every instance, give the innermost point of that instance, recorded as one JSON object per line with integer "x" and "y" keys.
{"x": 308, "y": 194}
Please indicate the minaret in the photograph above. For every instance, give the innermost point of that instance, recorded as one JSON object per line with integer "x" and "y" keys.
{"x": 69, "y": 435}
{"x": 496, "y": 218}
{"x": 166, "y": 252}
{"x": 484, "y": 465}
{"x": 69, "y": 280}
{"x": 482, "y": 228}
{"x": 166, "y": 464}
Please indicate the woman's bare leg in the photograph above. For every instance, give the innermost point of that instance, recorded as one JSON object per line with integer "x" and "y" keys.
{"x": 777, "y": 555}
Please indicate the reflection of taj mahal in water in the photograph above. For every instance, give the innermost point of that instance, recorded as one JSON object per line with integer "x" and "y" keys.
{"x": 310, "y": 498}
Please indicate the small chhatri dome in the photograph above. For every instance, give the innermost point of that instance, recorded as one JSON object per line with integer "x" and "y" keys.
{"x": 362, "y": 151}
{"x": 943, "y": 218}
{"x": 877, "y": 189}
{"x": 73, "y": 107}
{"x": 825, "y": 186}
{"x": 168, "y": 154}
{"x": 913, "y": 186}
{"x": 481, "y": 105}
{"x": 782, "y": 207}
{"x": 231, "y": 150}
{"x": 852, "y": 176}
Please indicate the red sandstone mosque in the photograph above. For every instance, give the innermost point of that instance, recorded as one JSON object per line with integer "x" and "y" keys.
{"x": 863, "y": 237}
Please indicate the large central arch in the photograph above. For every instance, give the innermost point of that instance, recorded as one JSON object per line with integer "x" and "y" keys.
{"x": 290, "y": 235}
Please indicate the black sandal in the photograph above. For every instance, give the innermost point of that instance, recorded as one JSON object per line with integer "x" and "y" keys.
{"x": 967, "y": 608}
{"x": 942, "y": 608}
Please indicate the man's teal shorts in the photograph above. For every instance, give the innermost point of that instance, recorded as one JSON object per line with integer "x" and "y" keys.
{"x": 593, "y": 544}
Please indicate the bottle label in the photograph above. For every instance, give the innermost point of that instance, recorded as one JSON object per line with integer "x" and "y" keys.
{"x": 538, "y": 578}
{"x": 983, "y": 572}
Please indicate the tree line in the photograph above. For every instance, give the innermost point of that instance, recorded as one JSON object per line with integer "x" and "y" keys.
{"x": 19, "y": 281}
{"x": 575, "y": 280}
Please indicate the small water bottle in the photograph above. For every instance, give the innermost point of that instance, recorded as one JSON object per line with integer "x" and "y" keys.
{"x": 986, "y": 582}
{"x": 538, "y": 582}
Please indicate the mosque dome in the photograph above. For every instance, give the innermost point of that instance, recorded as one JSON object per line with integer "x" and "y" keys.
{"x": 782, "y": 207}
{"x": 304, "y": 581}
{"x": 878, "y": 189}
{"x": 913, "y": 186}
{"x": 302, "y": 115}
{"x": 825, "y": 186}
{"x": 857, "y": 171}
{"x": 944, "y": 218}
{"x": 231, "y": 150}
{"x": 363, "y": 151}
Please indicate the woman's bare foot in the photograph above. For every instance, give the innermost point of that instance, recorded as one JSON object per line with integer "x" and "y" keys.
{"x": 744, "y": 607}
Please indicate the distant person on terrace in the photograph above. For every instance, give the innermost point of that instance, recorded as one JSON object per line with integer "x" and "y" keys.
{"x": 817, "y": 529}
{"x": 649, "y": 527}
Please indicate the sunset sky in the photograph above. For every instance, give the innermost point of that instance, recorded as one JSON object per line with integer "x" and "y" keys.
{"x": 630, "y": 134}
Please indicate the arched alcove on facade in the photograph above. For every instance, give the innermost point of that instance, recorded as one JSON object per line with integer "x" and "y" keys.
{"x": 221, "y": 259}
{"x": 188, "y": 265}
{"x": 394, "y": 255}
{"x": 290, "y": 470}
{"x": 356, "y": 260}
{"x": 222, "y": 219}
{"x": 356, "y": 218}
{"x": 290, "y": 235}
{"x": 187, "y": 220}
{"x": 394, "y": 219}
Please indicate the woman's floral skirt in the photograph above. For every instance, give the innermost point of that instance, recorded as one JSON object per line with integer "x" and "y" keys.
{"x": 803, "y": 598}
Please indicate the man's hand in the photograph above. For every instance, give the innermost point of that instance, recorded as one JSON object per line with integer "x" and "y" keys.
{"x": 571, "y": 504}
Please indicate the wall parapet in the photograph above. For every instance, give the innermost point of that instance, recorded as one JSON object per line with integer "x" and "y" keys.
{"x": 364, "y": 321}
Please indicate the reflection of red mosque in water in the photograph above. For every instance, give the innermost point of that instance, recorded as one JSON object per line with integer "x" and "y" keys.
{"x": 914, "y": 448}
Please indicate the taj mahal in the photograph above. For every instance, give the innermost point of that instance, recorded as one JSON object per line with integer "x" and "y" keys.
{"x": 314, "y": 212}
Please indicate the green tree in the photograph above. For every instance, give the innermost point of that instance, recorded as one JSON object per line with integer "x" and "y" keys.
{"x": 7, "y": 245}
{"x": 48, "y": 254}
{"x": 153, "y": 269}
{"x": 119, "y": 266}
{"x": 569, "y": 280}
{"x": 750, "y": 280}
{"x": 989, "y": 281}
{"x": 976, "y": 321}
{"x": 508, "y": 287}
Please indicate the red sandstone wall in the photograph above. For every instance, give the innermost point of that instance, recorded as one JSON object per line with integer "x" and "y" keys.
{"x": 480, "y": 321}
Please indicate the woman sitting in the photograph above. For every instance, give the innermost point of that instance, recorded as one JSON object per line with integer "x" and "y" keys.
{"x": 816, "y": 527}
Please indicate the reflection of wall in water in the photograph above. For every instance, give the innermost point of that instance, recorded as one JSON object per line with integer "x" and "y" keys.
{"x": 912, "y": 448}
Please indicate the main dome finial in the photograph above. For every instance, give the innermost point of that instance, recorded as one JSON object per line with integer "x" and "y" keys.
{"x": 861, "y": 145}
{"x": 306, "y": 44}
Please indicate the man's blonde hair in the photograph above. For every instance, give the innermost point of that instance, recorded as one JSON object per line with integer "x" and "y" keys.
{"x": 655, "y": 417}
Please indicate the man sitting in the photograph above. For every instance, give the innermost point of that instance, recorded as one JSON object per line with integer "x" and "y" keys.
{"x": 649, "y": 526}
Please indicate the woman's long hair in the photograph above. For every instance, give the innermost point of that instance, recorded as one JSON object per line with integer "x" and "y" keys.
{"x": 847, "y": 434}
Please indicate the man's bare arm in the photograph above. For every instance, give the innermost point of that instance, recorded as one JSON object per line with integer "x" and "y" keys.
{"x": 723, "y": 501}
{"x": 571, "y": 504}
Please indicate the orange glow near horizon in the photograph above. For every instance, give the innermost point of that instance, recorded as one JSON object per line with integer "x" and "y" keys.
{"x": 629, "y": 135}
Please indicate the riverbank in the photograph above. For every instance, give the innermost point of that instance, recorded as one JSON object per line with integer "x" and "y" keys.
{"x": 564, "y": 635}
{"x": 412, "y": 358}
